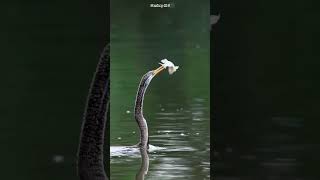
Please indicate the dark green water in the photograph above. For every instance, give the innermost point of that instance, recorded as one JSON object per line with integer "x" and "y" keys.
{"x": 177, "y": 107}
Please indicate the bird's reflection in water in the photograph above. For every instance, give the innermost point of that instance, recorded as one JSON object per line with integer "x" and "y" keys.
{"x": 144, "y": 164}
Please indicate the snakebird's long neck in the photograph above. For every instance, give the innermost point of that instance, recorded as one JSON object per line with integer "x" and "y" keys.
{"x": 138, "y": 110}
{"x": 90, "y": 152}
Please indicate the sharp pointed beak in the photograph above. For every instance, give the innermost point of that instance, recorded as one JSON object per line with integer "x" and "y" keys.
{"x": 159, "y": 69}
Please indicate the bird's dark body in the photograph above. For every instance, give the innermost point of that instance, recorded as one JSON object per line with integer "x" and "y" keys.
{"x": 90, "y": 152}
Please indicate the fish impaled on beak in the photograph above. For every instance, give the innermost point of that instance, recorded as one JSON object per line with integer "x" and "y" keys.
{"x": 168, "y": 64}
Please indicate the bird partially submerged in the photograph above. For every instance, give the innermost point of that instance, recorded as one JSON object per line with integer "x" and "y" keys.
{"x": 138, "y": 109}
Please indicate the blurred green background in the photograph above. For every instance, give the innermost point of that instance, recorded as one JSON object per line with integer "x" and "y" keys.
{"x": 177, "y": 107}
{"x": 49, "y": 50}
